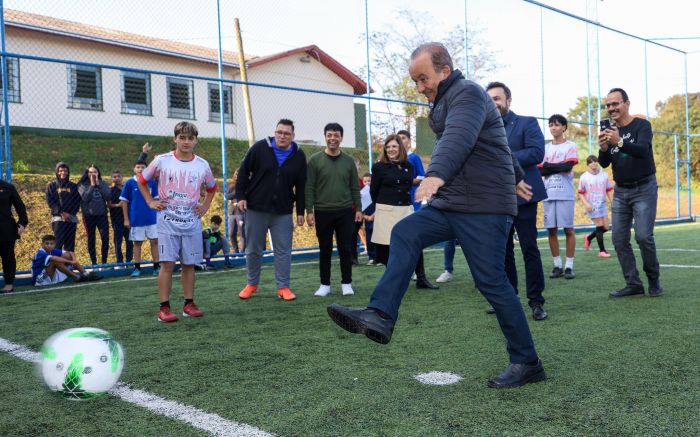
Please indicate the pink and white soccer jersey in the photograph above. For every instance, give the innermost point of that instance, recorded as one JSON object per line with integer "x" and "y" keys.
{"x": 179, "y": 184}
{"x": 560, "y": 186}
{"x": 594, "y": 188}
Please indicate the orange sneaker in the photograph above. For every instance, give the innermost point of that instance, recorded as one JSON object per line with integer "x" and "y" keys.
{"x": 191, "y": 310}
{"x": 166, "y": 315}
{"x": 248, "y": 291}
{"x": 285, "y": 294}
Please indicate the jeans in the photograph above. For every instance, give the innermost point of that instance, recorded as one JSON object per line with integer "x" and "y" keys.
{"x": 369, "y": 227}
{"x": 122, "y": 233}
{"x": 483, "y": 241}
{"x": 449, "y": 254}
{"x": 526, "y": 225}
{"x": 342, "y": 223}
{"x": 639, "y": 205}
{"x": 65, "y": 235}
{"x": 100, "y": 223}
{"x": 281, "y": 229}
{"x": 211, "y": 249}
{"x": 236, "y": 225}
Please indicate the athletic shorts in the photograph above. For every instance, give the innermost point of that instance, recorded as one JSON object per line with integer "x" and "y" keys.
{"x": 44, "y": 278}
{"x": 599, "y": 210}
{"x": 186, "y": 248}
{"x": 142, "y": 233}
{"x": 558, "y": 214}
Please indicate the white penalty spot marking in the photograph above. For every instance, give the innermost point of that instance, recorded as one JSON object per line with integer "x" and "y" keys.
{"x": 208, "y": 422}
{"x": 438, "y": 378}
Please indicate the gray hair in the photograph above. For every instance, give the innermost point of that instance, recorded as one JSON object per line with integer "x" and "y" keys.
{"x": 439, "y": 55}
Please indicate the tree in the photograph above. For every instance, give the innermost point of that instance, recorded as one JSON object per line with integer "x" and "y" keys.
{"x": 391, "y": 50}
{"x": 579, "y": 113}
{"x": 671, "y": 119}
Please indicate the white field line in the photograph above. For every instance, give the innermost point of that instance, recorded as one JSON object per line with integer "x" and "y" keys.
{"x": 208, "y": 422}
{"x": 679, "y": 266}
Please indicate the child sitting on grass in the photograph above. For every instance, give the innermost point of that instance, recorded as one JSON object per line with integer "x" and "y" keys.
{"x": 52, "y": 266}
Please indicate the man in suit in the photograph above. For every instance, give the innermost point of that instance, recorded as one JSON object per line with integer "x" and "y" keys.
{"x": 526, "y": 141}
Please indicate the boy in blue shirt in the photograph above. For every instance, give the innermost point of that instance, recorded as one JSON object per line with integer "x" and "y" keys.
{"x": 51, "y": 266}
{"x": 140, "y": 218}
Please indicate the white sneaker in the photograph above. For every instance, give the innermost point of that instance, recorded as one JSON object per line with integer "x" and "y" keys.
{"x": 323, "y": 291}
{"x": 347, "y": 289}
{"x": 414, "y": 277}
{"x": 444, "y": 277}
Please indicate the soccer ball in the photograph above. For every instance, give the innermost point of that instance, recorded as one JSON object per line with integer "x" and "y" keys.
{"x": 81, "y": 363}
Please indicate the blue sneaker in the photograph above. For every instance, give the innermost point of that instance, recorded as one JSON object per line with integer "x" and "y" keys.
{"x": 156, "y": 271}
{"x": 136, "y": 273}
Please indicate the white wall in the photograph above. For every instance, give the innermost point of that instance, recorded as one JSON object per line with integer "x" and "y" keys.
{"x": 44, "y": 92}
{"x": 309, "y": 111}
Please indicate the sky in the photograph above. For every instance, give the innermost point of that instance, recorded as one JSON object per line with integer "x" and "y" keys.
{"x": 541, "y": 55}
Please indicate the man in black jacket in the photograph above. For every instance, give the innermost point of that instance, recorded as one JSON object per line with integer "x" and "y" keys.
{"x": 64, "y": 202}
{"x": 470, "y": 188}
{"x": 628, "y": 147}
{"x": 271, "y": 178}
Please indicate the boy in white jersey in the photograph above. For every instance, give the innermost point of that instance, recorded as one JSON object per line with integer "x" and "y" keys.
{"x": 180, "y": 174}
{"x": 560, "y": 156}
{"x": 593, "y": 187}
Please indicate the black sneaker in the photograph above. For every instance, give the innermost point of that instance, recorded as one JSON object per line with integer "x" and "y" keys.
{"x": 557, "y": 272}
{"x": 655, "y": 288}
{"x": 569, "y": 273}
{"x": 92, "y": 276}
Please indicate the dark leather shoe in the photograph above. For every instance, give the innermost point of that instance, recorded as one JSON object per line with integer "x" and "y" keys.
{"x": 538, "y": 313}
{"x": 569, "y": 274}
{"x": 362, "y": 321}
{"x": 422, "y": 282}
{"x": 628, "y": 291}
{"x": 517, "y": 375}
{"x": 655, "y": 288}
{"x": 557, "y": 272}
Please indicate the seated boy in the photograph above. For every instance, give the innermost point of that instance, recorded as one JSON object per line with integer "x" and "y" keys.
{"x": 52, "y": 266}
{"x": 214, "y": 241}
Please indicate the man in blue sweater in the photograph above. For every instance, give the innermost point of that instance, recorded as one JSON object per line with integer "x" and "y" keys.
{"x": 470, "y": 187}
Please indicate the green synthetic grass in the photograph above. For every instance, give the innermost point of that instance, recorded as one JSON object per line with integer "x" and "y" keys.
{"x": 615, "y": 367}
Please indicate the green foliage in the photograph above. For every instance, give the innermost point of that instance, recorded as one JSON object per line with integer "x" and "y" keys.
{"x": 671, "y": 118}
{"x": 579, "y": 113}
{"x": 286, "y": 368}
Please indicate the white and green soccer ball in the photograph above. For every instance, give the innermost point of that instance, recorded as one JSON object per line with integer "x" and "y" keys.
{"x": 81, "y": 363}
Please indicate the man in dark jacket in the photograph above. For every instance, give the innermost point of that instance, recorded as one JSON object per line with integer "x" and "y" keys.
{"x": 271, "y": 178}
{"x": 526, "y": 141}
{"x": 470, "y": 189}
{"x": 64, "y": 202}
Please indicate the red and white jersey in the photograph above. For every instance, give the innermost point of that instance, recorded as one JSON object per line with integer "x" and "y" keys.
{"x": 179, "y": 184}
{"x": 594, "y": 187}
{"x": 560, "y": 186}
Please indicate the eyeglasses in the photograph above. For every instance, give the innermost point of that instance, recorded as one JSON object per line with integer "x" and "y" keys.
{"x": 612, "y": 105}
{"x": 283, "y": 133}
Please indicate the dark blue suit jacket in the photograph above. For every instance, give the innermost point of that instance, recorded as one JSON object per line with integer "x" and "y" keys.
{"x": 526, "y": 141}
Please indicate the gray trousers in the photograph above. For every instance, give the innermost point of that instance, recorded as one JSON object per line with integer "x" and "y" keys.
{"x": 635, "y": 207}
{"x": 281, "y": 229}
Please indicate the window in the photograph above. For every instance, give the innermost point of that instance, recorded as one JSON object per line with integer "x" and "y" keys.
{"x": 136, "y": 93}
{"x": 214, "y": 105}
{"x": 84, "y": 87}
{"x": 13, "y": 91}
{"x": 180, "y": 98}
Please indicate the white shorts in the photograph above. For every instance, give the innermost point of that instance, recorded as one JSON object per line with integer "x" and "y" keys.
{"x": 44, "y": 278}
{"x": 141, "y": 233}
{"x": 187, "y": 248}
{"x": 558, "y": 214}
{"x": 599, "y": 210}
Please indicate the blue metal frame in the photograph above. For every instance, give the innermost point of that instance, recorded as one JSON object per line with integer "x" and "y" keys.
{"x": 5, "y": 102}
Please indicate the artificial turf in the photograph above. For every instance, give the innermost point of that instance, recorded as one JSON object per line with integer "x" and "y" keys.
{"x": 615, "y": 367}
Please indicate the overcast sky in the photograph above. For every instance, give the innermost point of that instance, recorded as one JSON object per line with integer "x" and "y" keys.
{"x": 511, "y": 27}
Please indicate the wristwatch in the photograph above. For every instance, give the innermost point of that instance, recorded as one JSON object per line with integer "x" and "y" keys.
{"x": 620, "y": 143}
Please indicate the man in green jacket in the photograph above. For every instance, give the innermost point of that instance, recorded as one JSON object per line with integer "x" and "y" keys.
{"x": 333, "y": 206}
